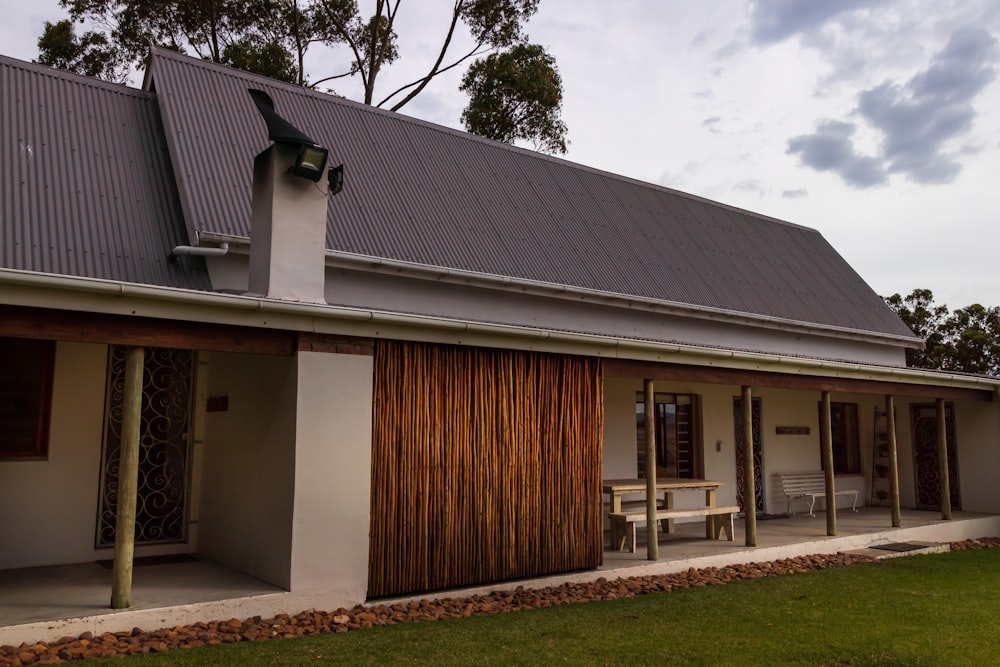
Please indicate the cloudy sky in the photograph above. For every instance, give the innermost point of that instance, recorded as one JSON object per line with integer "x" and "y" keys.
{"x": 875, "y": 121}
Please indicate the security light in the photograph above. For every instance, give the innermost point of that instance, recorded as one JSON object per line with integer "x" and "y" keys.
{"x": 335, "y": 179}
{"x": 310, "y": 163}
{"x": 311, "y": 160}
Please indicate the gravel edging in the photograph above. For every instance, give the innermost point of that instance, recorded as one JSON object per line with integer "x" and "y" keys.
{"x": 313, "y": 622}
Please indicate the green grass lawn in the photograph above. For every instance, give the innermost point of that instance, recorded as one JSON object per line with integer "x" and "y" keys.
{"x": 934, "y": 610}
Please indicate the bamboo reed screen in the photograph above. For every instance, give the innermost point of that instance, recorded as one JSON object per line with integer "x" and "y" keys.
{"x": 486, "y": 466}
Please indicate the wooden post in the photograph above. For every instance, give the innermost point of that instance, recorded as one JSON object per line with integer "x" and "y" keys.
{"x": 942, "y": 442}
{"x": 749, "y": 490}
{"x": 128, "y": 481}
{"x": 652, "y": 535}
{"x": 890, "y": 423}
{"x": 826, "y": 445}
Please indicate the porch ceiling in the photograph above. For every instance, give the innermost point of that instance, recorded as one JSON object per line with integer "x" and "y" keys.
{"x": 739, "y": 377}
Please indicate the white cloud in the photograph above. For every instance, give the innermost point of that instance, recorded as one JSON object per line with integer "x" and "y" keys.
{"x": 915, "y": 120}
{"x": 775, "y": 20}
{"x": 831, "y": 148}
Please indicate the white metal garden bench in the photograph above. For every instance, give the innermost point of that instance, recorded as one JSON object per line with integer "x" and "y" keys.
{"x": 811, "y": 485}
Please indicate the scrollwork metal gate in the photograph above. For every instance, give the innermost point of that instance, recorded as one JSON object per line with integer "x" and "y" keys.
{"x": 925, "y": 456}
{"x": 758, "y": 452}
{"x": 161, "y": 510}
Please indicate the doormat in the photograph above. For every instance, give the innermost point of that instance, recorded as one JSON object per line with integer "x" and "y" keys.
{"x": 142, "y": 561}
{"x": 899, "y": 546}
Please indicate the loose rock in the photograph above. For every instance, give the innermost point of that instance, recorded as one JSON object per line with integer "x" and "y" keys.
{"x": 312, "y": 622}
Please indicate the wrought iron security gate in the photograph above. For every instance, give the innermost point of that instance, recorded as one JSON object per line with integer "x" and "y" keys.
{"x": 161, "y": 510}
{"x": 758, "y": 453}
{"x": 925, "y": 456}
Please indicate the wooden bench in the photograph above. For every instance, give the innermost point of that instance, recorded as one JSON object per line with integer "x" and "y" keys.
{"x": 623, "y": 523}
{"x": 811, "y": 485}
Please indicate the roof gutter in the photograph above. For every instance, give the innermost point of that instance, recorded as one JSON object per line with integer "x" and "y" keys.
{"x": 305, "y": 315}
{"x": 542, "y": 288}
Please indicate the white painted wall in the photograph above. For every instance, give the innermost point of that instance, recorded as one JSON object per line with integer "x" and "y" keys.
{"x": 619, "y": 456}
{"x": 904, "y": 453}
{"x": 48, "y": 509}
{"x": 379, "y": 291}
{"x": 801, "y": 453}
{"x": 977, "y": 426}
{"x": 288, "y": 227}
{"x": 249, "y": 465}
{"x": 333, "y": 454}
{"x": 720, "y": 445}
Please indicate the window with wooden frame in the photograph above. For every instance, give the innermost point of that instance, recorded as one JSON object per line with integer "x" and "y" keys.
{"x": 678, "y": 435}
{"x": 25, "y": 397}
{"x": 846, "y": 441}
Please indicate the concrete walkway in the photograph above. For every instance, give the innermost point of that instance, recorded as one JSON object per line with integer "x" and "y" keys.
{"x": 46, "y": 603}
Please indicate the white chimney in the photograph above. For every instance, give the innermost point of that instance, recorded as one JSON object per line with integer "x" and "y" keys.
{"x": 287, "y": 230}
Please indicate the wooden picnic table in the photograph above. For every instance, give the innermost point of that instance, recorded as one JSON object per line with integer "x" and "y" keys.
{"x": 616, "y": 488}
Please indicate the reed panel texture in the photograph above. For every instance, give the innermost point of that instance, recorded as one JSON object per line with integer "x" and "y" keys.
{"x": 486, "y": 466}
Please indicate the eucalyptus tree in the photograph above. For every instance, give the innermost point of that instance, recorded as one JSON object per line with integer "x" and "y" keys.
{"x": 514, "y": 88}
{"x": 965, "y": 340}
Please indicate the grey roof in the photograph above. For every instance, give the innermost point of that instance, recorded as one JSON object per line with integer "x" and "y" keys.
{"x": 422, "y": 193}
{"x": 86, "y": 183}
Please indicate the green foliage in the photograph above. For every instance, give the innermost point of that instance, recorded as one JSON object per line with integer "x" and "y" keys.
{"x": 272, "y": 37}
{"x": 498, "y": 24}
{"x": 936, "y": 610}
{"x": 919, "y": 313}
{"x": 516, "y": 95}
{"x": 88, "y": 54}
{"x": 965, "y": 340}
{"x": 256, "y": 34}
{"x": 269, "y": 59}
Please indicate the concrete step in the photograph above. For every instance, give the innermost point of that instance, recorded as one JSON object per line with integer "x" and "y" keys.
{"x": 886, "y": 549}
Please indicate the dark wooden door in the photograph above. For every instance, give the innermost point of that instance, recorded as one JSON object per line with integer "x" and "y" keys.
{"x": 925, "y": 455}
{"x": 758, "y": 453}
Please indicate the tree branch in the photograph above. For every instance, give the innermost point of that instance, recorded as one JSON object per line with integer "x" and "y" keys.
{"x": 373, "y": 51}
{"x": 343, "y": 31}
{"x": 330, "y": 78}
{"x": 478, "y": 51}
{"x": 422, "y": 83}
{"x": 390, "y": 13}
{"x": 300, "y": 47}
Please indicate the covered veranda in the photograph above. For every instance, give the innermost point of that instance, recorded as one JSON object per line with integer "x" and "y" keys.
{"x": 881, "y": 387}
{"x": 47, "y": 603}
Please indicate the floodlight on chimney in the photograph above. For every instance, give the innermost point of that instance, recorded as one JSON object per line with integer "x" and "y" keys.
{"x": 310, "y": 162}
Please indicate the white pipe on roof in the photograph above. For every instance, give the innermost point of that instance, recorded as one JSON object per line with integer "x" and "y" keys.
{"x": 622, "y": 346}
{"x": 202, "y": 251}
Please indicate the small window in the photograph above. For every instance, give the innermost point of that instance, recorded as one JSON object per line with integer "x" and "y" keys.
{"x": 846, "y": 442}
{"x": 25, "y": 397}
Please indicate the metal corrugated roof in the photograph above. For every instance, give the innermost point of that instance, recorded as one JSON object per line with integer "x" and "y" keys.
{"x": 421, "y": 193}
{"x": 86, "y": 183}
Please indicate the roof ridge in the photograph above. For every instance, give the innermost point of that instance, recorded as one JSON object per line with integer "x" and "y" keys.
{"x": 73, "y": 77}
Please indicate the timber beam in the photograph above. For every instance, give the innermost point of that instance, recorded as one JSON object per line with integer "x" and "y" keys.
{"x": 761, "y": 379}
{"x": 83, "y": 327}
